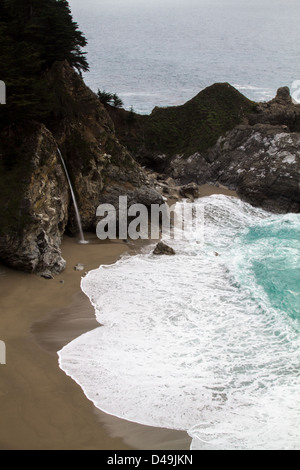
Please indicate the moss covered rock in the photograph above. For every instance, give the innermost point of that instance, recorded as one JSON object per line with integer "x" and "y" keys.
{"x": 192, "y": 127}
{"x": 33, "y": 201}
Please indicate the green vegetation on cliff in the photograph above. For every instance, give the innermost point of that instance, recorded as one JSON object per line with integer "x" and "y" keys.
{"x": 34, "y": 34}
{"x": 15, "y": 169}
{"x": 106, "y": 97}
{"x": 196, "y": 125}
{"x": 192, "y": 127}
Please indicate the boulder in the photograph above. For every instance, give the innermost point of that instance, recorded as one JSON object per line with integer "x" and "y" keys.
{"x": 280, "y": 111}
{"x": 283, "y": 96}
{"x": 190, "y": 190}
{"x": 79, "y": 267}
{"x": 163, "y": 249}
{"x": 46, "y": 275}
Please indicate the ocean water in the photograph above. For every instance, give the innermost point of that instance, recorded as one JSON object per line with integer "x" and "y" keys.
{"x": 161, "y": 53}
{"x": 206, "y": 341}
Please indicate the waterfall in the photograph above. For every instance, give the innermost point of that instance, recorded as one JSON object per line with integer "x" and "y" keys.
{"x": 81, "y": 236}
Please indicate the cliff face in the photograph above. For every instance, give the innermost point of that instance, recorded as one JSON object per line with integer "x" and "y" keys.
{"x": 260, "y": 159}
{"x": 98, "y": 164}
{"x": 254, "y": 148}
{"x": 182, "y": 130}
{"x": 35, "y": 197}
{"x": 34, "y": 201}
{"x": 261, "y": 162}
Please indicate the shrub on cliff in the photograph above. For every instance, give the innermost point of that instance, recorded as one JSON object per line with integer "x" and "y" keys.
{"x": 111, "y": 99}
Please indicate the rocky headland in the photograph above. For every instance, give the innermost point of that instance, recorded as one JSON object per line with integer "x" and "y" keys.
{"x": 218, "y": 137}
{"x": 36, "y": 206}
{"x": 252, "y": 148}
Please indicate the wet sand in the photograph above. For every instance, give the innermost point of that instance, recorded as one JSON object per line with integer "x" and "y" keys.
{"x": 41, "y": 408}
{"x": 210, "y": 189}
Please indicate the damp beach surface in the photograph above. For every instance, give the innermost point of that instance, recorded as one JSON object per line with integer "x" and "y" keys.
{"x": 41, "y": 408}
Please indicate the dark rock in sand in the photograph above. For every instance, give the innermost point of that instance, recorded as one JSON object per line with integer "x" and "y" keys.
{"x": 46, "y": 275}
{"x": 79, "y": 267}
{"x": 190, "y": 190}
{"x": 163, "y": 249}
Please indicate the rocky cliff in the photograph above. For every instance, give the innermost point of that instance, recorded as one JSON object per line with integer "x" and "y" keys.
{"x": 218, "y": 137}
{"x": 99, "y": 165}
{"x": 260, "y": 162}
{"x": 34, "y": 200}
{"x": 253, "y": 148}
{"x": 260, "y": 159}
{"x": 36, "y": 207}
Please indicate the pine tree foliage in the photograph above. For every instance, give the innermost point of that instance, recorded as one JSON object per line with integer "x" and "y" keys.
{"x": 105, "y": 97}
{"x": 112, "y": 99}
{"x": 33, "y": 35}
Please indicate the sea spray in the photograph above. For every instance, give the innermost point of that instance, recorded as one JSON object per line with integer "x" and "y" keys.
{"x": 194, "y": 342}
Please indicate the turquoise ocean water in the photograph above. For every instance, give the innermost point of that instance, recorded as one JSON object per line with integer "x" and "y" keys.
{"x": 272, "y": 262}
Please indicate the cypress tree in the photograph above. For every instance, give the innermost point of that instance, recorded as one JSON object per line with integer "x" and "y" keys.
{"x": 33, "y": 35}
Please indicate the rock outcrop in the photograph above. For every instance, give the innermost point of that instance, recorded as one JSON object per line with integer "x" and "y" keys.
{"x": 101, "y": 168}
{"x": 259, "y": 157}
{"x": 163, "y": 249}
{"x": 280, "y": 111}
{"x": 251, "y": 148}
{"x": 260, "y": 162}
{"x": 36, "y": 207}
{"x": 34, "y": 202}
{"x": 183, "y": 130}
{"x": 221, "y": 137}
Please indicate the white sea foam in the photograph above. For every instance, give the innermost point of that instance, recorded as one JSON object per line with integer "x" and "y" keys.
{"x": 185, "y": 345}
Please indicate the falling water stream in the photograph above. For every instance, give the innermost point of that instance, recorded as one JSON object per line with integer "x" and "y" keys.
{"x": 81, "y": 236}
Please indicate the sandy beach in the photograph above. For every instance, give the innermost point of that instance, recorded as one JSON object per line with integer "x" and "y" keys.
{"x": 40, "y": 406}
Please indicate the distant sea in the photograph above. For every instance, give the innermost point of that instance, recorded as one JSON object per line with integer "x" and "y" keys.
{"x": 208, "y": 340}
{"x": 161, "y": 53}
